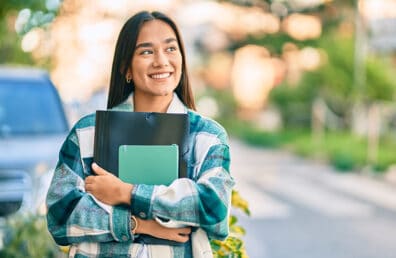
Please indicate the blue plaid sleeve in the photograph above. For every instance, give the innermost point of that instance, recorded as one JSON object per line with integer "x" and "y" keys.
{"x": 201, "y": 201}
{"x": 75, "y": 216}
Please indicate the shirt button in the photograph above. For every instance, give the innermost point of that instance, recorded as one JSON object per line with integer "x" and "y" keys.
{"x": 142, "y": 214}
{"x": 124, "y": 238}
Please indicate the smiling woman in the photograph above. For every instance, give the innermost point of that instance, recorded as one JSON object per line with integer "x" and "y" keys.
{"x": 101, "y": 216}
{"x": 155, "y": 49}
{"x": 156, "y": 65}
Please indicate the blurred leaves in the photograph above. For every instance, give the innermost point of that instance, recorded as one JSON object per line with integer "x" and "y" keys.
{"x": 27, "y": 236}
{"x": 274, "y": 42}
{"x": 238, "y": 202}
{"x": 37, "y": 19}
{"x": 233, "y": 245}
{"x": 10, "y": 41}
{"x": 334, "y": 82}
{"x": 16, "y": 5}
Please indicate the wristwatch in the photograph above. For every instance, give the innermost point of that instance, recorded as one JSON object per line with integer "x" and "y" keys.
{"x": 134, "y": 225}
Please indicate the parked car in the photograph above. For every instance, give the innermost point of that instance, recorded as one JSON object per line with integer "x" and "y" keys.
{"x": 33, "y": 126}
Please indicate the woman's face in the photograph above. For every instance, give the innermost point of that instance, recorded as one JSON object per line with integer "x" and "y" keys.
{"x": 156, "y": 64}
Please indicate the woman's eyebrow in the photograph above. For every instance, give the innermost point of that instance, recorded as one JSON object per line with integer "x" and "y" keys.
{"x": 144, "y": 44}
{"x": 149, "y": 44}
{"x": 169, "y": 40}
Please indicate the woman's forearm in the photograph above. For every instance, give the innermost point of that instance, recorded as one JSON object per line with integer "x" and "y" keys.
{"x": 153, "y": 228}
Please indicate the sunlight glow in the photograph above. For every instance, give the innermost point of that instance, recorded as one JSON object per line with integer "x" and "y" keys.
{"x": 253, "y": 76}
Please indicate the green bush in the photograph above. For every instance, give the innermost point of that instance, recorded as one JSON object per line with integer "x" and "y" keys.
{"x": 27, "y": 236}
{"x": 334, "y": 82}
{"x": 233, "y": 246}
{"x": 343, "y": 161}
{"x": 346, "y": 152}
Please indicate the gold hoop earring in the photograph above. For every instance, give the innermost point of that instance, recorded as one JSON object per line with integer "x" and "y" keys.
{"x": 128, "y": 78}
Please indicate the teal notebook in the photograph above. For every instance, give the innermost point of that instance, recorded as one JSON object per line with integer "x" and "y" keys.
{"x": 148, "y": 164}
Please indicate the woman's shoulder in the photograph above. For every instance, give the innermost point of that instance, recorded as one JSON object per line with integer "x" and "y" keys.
{"x": 85, "y": 121}
{"x": 202, "y": 124}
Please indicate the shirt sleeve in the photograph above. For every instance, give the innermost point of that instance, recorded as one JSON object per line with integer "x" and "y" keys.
{"x": 75, "y": 216}
{"x": 200, "y": 202}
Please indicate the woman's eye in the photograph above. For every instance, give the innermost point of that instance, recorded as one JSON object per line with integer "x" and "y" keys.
{"x": 171, "y": 49}
{"x": 146, "y": 52}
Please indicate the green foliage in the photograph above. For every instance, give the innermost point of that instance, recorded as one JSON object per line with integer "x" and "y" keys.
{"x": 10, "y": 50}
{"x": 274, "y": 42}
{"x": 348, "y": 152}
{"x": 295, "y": 103}
{"x": 345, "y": 151}
{"x": 381, "y": 78}
{"x": 343, "y": 161}
{"x": 336, "y": 77}
{"x": 225, "y": 100}
{"x": 334, "y": 82}
{"x": 233, "y": 246}
{"x": 10, "y": 47}
{"x": 238, "y": 202}
{"x": 27, "y": 236}
{"x": 15, "y": 5}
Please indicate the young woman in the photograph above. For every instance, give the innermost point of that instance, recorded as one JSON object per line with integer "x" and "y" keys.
{"x": 96, "y": 213}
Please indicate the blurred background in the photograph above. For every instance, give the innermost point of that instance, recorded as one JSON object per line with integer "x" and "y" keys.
{"x": 305, "y": 89}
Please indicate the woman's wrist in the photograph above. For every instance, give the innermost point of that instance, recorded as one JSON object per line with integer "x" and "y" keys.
{"x": 134, "y": 225}
{"x": 125, "y": 193}
{"x": 140, "y": 225}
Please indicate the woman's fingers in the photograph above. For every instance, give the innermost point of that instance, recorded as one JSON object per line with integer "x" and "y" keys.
{"x": 182, "y": 238}
{"x": 181, "y": 234}
{"x": 185, "y": 231}
{"x": 153, "y": 228}
{"x": 89, "y": 185}
{"x": 98, "y": 170}
{"x": 89, "y": 179}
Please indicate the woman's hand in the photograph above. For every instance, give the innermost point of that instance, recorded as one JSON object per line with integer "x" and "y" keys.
{"x": 108, "y": 188}
{"x": 153, "y": 228}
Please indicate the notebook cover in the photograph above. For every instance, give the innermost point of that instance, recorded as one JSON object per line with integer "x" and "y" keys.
{"x": 116, "y": 128}
{"x": 148, "y": 164}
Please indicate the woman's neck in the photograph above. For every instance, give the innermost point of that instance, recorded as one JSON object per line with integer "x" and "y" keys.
{"x": 158, "y": 104}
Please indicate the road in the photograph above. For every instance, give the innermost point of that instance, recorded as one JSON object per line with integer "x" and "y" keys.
{"x": 305, "y": 209}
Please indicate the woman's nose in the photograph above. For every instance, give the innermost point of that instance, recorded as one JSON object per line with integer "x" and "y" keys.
{"x": 160, "y": 59}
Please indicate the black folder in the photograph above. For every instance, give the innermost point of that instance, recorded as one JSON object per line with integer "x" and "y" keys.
{"x": 116, "y": 128}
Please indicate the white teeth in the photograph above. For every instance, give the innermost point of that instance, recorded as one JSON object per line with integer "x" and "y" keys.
{"x": 160, "y": 75}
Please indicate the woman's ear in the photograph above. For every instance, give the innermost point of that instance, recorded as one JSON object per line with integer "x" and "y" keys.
{"x": 123, "y": 69}
{"x": 128, "y": 75}
{"x": 129, "y": 72}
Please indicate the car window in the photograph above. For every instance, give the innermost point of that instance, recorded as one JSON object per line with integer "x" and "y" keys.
{"x": 30, "y": 108}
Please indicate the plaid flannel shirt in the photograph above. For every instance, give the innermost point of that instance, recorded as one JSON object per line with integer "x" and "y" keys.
{"x": 95, "y": 229}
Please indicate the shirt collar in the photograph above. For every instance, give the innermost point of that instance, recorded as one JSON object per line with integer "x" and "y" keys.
{"x": 176, "y": 106}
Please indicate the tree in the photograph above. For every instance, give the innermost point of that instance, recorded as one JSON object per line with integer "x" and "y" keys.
{"x": 10, "y": 47}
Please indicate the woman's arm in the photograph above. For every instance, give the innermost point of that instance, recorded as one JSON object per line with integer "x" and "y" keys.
{"x": 75, "y": 215}
{"x": 203, "y": 202}
{"x": 111, "y": 190}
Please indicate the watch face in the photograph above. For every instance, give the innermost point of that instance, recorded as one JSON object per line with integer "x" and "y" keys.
{"x": 133, "y": 224}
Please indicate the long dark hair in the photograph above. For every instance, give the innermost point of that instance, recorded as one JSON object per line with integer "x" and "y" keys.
{"x": 125, "y": 47}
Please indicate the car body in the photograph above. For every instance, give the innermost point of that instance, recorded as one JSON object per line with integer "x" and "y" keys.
{"x": 33, "y": 125}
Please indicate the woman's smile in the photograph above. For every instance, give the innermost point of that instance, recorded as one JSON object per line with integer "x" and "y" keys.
{"x": 158, "y": 76}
